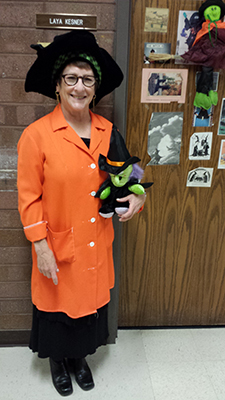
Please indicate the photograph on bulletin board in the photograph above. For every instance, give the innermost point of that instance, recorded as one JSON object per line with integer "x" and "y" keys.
{"x": 155, "y": 48}
{"x": 163, "y": 85}
{"x": 221, "y": 162}
{"x": 221, "y": 127}
{"x": 164, "y": 137}
{"x": 188, "y": 26}
{"x": 156, "y": 19}
{"x": 200, "y": 146}
{"x": 201, "y": 116}
{"x": 200, "y": 177}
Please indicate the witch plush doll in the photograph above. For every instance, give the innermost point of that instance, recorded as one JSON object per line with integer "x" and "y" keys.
{"x": 124, "y": 177}
{"x": 208, "y": 50}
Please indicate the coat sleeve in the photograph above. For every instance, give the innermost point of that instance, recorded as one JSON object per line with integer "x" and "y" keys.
{"x": 30, "y": 184}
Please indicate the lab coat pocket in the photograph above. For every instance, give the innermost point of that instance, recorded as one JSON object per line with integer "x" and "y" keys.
{"x": 62, "y": 244}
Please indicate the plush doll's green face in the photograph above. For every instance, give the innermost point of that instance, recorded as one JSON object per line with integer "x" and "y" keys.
{"x": 212, "y": 13}
{"x": 122, "y": 178}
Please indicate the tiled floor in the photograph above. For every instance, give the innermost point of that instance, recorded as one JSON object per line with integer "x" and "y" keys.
{"x": 170, "y": 364}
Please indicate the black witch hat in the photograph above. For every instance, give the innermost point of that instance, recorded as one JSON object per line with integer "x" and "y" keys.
{"x": 74, "y": 45}
{"x": 209, "y": 3}
{"x": 118, "y": 157}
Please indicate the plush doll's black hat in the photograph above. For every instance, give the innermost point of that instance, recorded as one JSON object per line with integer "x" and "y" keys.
{"x": 74, "y": 45}
{"x": 118, "y": 157}
{"x": 209, "y": 3}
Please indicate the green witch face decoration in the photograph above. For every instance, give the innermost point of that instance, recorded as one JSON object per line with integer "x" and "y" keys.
{"x": 212, "y": 13}
{"x": 122, "y": 178}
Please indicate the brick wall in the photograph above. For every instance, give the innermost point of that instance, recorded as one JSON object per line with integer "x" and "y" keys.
{"x": 17, "y": 110}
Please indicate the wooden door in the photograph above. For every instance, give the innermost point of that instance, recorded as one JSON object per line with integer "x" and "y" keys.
{"x": 173, "y": 253}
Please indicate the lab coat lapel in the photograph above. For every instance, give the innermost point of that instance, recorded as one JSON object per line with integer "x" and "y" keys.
{"x": 97, "y": 129}
{"x": 71, "y": 136}
{"x": 96, "y": 139}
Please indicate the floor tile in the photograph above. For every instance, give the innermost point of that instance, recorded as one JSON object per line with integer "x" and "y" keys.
{"x": 210, "y": 343}
{"x": 181, "y": 381}
{"x": 121, "y": 370}
{"x": 170, "y": 345}
{"x": 216, "y": 372}
{"x": 13, "y": 371}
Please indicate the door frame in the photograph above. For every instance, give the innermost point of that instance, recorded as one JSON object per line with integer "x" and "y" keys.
{"x": 122, "y": 46}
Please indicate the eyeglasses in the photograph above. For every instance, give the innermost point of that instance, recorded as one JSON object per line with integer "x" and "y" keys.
{"x": 87, "y": 80}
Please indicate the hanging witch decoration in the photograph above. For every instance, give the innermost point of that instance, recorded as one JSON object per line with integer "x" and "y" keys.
{"x": 207, "y": 50}
{"x": 124, "y": 177}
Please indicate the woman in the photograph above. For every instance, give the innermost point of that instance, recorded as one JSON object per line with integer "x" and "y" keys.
{"x": 58, "y": 176}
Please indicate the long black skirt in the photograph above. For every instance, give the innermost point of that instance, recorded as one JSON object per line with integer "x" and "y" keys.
{"x": 58, "y": 336}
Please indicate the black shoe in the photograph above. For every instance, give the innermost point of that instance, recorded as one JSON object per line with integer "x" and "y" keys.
{"x": 60, "y": 377}
{"x": 82, "y": 373}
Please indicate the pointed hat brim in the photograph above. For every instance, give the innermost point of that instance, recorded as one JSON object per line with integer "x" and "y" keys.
{"x": 39, "y": 76}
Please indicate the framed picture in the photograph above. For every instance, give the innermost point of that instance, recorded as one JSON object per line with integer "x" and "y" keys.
{"x": 163, "y": 85}
{"x": 221, "y": 162}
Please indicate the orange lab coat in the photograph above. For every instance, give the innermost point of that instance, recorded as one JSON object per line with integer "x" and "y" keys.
{"x": 58, "y": 177}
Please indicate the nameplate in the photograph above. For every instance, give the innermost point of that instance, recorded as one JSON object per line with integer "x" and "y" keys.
{"x": 66, "y": 21}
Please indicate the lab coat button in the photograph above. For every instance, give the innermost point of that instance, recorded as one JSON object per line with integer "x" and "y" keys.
{"x": 93, "y": 166}
{"x": 92, "y": 244}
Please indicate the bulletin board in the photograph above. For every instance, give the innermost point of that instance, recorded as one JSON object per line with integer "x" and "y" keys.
{"x": 172, "y": 270}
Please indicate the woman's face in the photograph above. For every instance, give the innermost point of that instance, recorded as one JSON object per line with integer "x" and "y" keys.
{"x": 78, "y": 97}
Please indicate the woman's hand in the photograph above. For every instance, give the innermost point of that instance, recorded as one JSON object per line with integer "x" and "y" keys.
{"x": 135, "y": 203}
{"x": 46, "y": 261}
